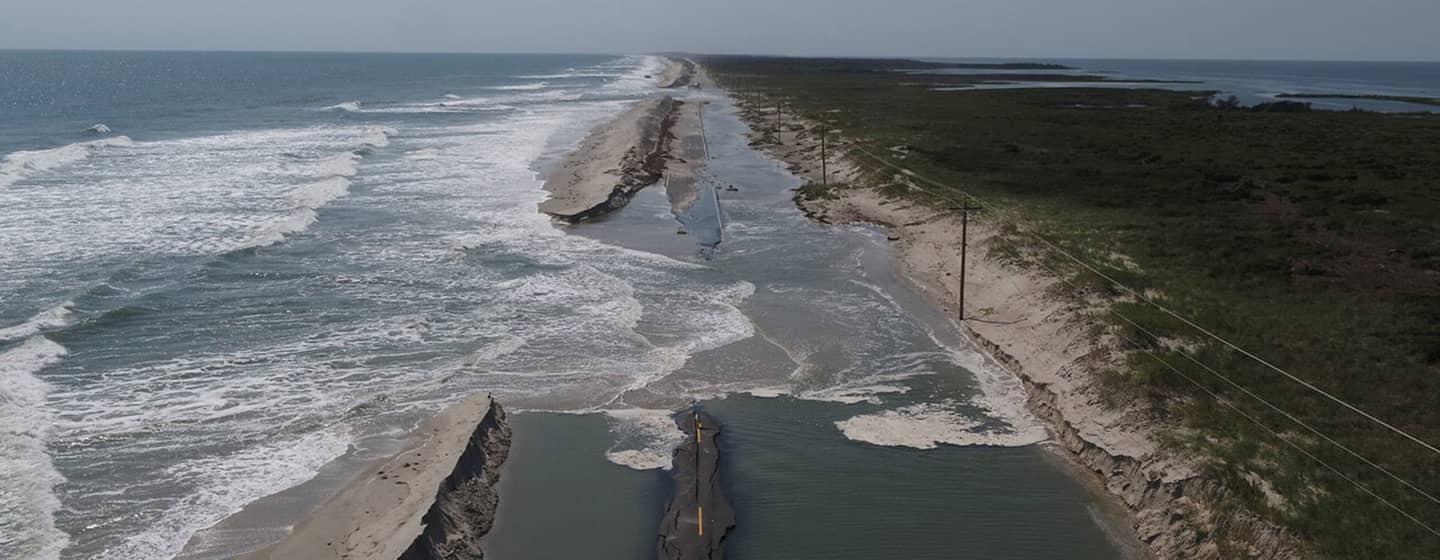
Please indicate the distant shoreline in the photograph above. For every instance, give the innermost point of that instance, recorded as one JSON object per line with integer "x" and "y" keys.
{"x": 1418, "y": 100}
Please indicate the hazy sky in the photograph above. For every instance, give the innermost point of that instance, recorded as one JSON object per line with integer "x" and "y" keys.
{"x": 1313, "y": 29}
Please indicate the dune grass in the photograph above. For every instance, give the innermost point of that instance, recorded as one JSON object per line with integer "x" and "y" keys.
{"x": 1311, "y": 239}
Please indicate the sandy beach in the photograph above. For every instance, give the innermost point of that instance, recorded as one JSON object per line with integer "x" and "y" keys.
{"x": 654, "y": 140}
{"x": 615, "y": 161}
{"x": 1049, "y": 343}
{"x": 395, "y": 506}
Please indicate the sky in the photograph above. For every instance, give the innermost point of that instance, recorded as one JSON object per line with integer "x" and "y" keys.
{"x": 1227, "y": 29}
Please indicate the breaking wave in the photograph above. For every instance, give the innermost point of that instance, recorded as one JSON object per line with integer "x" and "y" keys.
{"x": 349, "y": 106}
{"x": 25, "y": 164}
{"x": 27, "y": 474}
{"x": 520, "y": 87}
{"x": 52, "y": 318}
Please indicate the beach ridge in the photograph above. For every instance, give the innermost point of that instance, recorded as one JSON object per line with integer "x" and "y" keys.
{"x": 434, "y": 499}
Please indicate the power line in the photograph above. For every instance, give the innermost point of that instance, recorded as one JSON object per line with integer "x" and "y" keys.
{"x": 1256, "y": 421}
{"x": 1277, "y": 435}
{"x": 1292, "y": 418}
{"x": 1012, "y": 221}
{"x": 1000, "y": 213}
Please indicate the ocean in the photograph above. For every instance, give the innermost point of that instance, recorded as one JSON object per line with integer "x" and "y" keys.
{"x": 222, "y": 274}
{"x": 269, "y": 256}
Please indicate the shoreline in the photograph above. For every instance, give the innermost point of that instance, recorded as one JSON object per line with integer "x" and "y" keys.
{"x": 1048, "y": 343}
{"x": 404, "y": 503}
{"x": 612, "y": 163}
{"x": 654, "y": 140}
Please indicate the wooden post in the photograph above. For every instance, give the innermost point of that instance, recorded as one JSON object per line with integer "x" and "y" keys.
{"x": 703, "y": 138}
{"x": 824, "y": 171}
{"x": 964, "y": 249}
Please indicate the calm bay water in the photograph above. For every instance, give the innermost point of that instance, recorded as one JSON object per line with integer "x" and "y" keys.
{"x": 1259, "y": 81}
{"x": 262, "y": 259}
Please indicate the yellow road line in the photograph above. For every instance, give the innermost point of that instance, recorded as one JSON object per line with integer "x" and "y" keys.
{"x": 701, "y": 526}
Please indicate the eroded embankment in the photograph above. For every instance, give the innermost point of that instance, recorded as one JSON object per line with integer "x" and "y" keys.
{"x": 434, "y": 499}
{"x": 614, "y": 162}
{"x": 1051, "y": 343}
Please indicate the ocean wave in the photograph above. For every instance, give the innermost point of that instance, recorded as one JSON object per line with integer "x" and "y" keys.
{"x": 494, "y": 103}
{"x": 348, "y": 106}
{"x": 336, "y": 166}
{"x": 27, "y": 474}
{"x": 226, "y": 485}
{"x": 928, "y": 425}
{"x": 24, "y": 164}
{"x": 644, "y": 439}
{"x": 565, "y": 75}
{"x": 378, "y": 137}
{"x": 52, "y": 318}
{"x": 295, "y": 222}
{"x": 320, "y": 193}
{"x": 520, "y": 87}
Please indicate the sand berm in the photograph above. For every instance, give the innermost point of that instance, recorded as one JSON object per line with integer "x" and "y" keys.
{"x": 655, "y": 140}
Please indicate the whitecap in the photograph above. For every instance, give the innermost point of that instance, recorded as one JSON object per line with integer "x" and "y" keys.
{"x": 24, "y": 164}
{"x": 27, "y": 474}
{"x": 99, "y": 128}
{"x": 52, "y": 318}
{"x": 343, "y": 165}
{"x": 320, "y": 193}
{"x": 350, "y": 106}
{"x": 297, "y": 221}
{"x": 520, "y": 87}
{"x": 378, "y": 137}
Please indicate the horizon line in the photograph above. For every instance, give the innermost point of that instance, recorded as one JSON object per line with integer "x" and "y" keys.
{"x": 1021, "y": 58}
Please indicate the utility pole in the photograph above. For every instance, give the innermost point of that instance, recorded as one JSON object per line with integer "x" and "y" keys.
{"x": 705, "y": 140}
{"x": 964, "y": 248}
{"x": 824, "y": 171}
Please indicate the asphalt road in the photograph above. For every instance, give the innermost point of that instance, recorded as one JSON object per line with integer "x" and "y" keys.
{"x": 699, "y": 515}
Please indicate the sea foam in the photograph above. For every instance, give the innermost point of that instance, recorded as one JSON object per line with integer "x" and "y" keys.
{"x": 349, "y": 106}
{"x": 521, "y": 87}
{"x": 644, "y": 439}
{"x": 52, "y": 318}
{"x": 24, "y": 164}
{"x": 927, "y": 425}
{"x": 27, "y": 475}
{"x": 229, "y": 484}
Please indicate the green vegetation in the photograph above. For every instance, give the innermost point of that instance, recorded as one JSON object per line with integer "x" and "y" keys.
{"x": 1401, "y": 98}
{"x": 1311, "y": 238}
